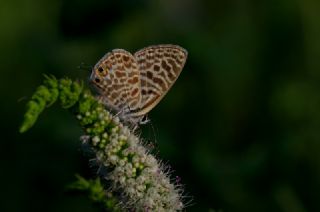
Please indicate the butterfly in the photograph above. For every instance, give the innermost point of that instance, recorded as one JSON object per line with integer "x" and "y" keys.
{"x": 132, "y": 85}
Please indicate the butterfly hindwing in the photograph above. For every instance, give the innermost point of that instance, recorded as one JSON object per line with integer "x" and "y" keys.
{"x": 159, "y": 67}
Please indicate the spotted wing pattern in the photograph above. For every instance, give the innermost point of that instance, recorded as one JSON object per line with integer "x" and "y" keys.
{"x": 159, "y": 67}
{"x": 117, "y": 79}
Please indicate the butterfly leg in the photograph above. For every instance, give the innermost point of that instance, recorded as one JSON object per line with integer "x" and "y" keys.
{"x": 144, "y": 120}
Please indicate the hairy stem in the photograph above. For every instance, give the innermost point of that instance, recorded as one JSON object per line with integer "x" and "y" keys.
{"x": 139, "y": 180}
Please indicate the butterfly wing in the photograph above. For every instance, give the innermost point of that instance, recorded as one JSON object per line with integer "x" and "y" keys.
{"x": 159, "y": 67}
{"x": 117, "y": 79}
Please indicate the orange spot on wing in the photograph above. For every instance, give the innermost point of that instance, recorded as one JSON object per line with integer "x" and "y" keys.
{"x": 134, "y": 80}
{"x": 120, "y": 74}
{"x": 134, "y": 92}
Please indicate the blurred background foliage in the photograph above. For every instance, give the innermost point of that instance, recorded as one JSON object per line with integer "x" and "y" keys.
{"x": 240, "y": 126}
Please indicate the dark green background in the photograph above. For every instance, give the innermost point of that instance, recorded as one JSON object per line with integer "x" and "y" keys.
{"x": 240, "y": 126}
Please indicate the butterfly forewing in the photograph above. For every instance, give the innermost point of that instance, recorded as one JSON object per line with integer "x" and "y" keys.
{"x": 159, "y": 68}
{"x": 117, "y": 79}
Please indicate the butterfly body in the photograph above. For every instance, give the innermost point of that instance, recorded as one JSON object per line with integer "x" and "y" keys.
{"x": 132, "y": 85}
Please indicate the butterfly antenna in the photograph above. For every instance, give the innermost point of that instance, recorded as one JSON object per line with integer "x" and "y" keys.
{"x": 85, "y": 67}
